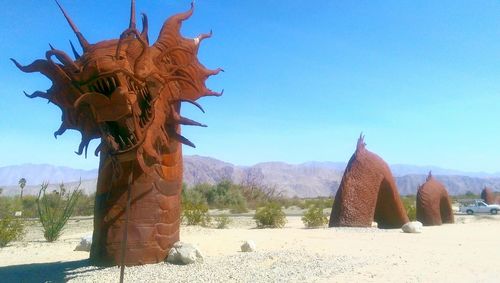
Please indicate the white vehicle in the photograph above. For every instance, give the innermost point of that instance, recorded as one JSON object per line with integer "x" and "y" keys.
{"x": 479, "y": 206}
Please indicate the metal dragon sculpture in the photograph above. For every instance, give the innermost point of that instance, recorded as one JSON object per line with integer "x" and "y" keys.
{"x": 367, "y": 193}
{"x": 433, "y": 203}
{"x": 128, "y": 93}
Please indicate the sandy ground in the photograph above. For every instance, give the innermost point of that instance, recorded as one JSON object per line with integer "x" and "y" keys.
{"x": 468, "y": 251}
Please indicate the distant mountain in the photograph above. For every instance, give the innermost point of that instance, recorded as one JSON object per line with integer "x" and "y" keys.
{"x": 38, "y": 173}
{"x": 404, "y": 169}
{"x": 308, "y": 179}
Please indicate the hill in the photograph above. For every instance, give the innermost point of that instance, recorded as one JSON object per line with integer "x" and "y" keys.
{"x": 308, "y": 179}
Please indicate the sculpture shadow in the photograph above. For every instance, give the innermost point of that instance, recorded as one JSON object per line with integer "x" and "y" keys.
{"x": 45, "y": 272}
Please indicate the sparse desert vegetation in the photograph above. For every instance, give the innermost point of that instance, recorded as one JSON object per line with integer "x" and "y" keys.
{"x": 314, "y": 217}
{"x": 207, "y": 209}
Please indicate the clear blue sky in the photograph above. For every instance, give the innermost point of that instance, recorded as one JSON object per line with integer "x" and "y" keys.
{"x": 303, "y": 78}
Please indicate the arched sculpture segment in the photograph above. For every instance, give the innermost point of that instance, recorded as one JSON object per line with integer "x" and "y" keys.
{"x": 433, "y": 203}
{"x": 489, "y": 196}
{"x": 128, "y": 93}
{"x": 367, "y": 193}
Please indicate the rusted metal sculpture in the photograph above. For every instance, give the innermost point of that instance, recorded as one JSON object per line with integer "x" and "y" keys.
{"x": 489, "y": 196}
{"x": 367, "y": 193}
{"x": 129, "y": 94}
{"x": 433, "y": 203}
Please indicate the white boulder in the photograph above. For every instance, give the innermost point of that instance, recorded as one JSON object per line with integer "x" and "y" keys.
{"x": 248, "y": 246}
{"x": 85, "y": 244}
{"x": 412, "y": 227}
{"x": 184, "y": 253}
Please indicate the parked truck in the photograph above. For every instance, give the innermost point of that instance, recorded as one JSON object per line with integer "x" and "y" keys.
{"x": 479, "y": 206}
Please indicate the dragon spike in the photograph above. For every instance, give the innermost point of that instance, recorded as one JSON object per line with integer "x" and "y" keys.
{"x": 189, "y": 122}
{"x": 83, "y": 42}
{"x": 214, "y": 93}
{"x": 51, "y": 47}
{"x": 77, "y": 56}
{"x": 28, "y": 68}
{"x": 182, "y": 139}
{"x": 60, "y": 131}
{"x": 202, "y": 36}
{"x": 144, "y": 33}
{"x": 194, "y": 103}
{"x": 132, "y": 15}
{"x": 184, "y": 16}
{"x": 98, "y": 149}
{"x": 84, "y": 145}
{"x": 37, "y": 94}
{"x": 429, "y": 176}
{"x": 18, "y": 65}
{"x": 361, "y": 142}
{"x": 214, "y": 72}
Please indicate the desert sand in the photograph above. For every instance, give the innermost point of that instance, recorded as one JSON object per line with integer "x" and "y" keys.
{"x": 468, "y": 251}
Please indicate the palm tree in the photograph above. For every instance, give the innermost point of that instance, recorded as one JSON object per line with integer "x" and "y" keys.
{"x": 22, "y": 184}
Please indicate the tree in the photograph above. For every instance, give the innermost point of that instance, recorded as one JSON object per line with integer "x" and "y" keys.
{"x": 1, "y": 191}
{"x": 22, "y": 184}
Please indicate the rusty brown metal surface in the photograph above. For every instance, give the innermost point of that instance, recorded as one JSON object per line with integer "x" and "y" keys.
{"x": 433, "y": 203}
{"x": 128, "y": 93}
{"x": 367, "y": 193}
{"x": 489, "y": 196}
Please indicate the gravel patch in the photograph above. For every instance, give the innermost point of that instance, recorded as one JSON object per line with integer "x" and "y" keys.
{"x": 269, "y": 266}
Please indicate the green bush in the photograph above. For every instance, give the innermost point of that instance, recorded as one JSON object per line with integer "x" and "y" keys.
{"x": 270, "y": 216}
{"x": 11, "y": 229}
{"x": 221, "y": 196}
{"x": 195, "y": 214}
{"x": 314, "y": 217}
{"x": 9, "y": 205}
{"x": 54, "y": 210}
{"x": 29, "y": 206}
{"x": 85, "y": 205}
{"x": 222, "y": 221}
{"x": 409, "y": 203}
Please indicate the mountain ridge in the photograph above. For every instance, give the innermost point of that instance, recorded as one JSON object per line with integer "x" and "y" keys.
{"x": 308, "y": 179}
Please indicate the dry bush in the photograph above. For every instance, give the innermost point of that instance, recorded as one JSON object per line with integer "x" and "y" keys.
{"x": 54, "y": 210}
{"x": 314, "y": 217}
{"x": 270, "y": 216}
{"x": 11, "y": 229}
{"x": 195, "y": 214}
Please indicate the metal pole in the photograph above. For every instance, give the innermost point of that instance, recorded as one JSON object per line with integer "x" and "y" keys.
{"x": 125, "y": 234}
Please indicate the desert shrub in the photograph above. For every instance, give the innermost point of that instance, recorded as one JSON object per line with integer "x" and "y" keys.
{"x": 222, "y": 221}
{"x": 11, "y": 229}
{"x": 9, "y": 205}
{"x": 221, "y": 196}
{"x": 270, "y": 216}
{"x": 314, "y": 217}
{"x": 195, "y": 214}
{"x": 29, "y": 206}
{"x": 84, "y": 205}
{"x": 258, "y": 195}
{"x": 194, "y": 195}
{"x": 231, "y": 197}
{"x": 409, "y": 204}
{"x": 54, "y": 210}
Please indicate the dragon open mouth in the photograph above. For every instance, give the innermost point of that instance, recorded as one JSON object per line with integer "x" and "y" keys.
{"x": 127, "y": 132}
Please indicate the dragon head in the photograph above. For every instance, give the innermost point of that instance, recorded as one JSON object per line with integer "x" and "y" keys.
{"x": 126, "y": 91}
